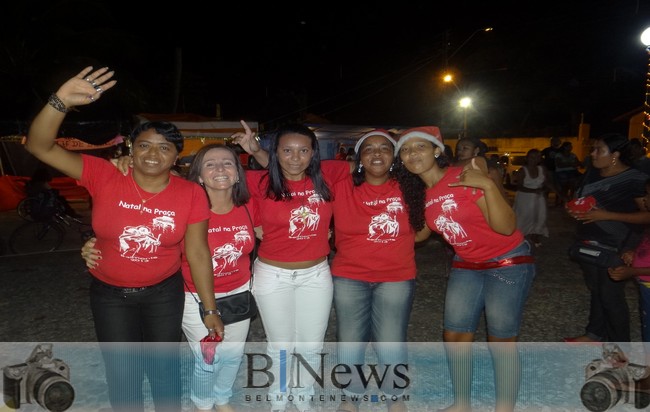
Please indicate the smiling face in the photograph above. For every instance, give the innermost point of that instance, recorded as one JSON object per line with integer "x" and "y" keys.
{"x": 218, "y": 170}
{"x": 153, "y": 154}
{"x": 294, "y": 155}
{"x": 418, "y": 155}
{"x": 376, "y": 155}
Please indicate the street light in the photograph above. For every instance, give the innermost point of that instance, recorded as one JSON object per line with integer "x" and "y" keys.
{"x": 645, "y": 132}
{"x": 465, "y": 103}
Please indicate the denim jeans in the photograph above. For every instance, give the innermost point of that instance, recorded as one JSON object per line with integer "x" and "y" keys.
{"x": 376, "y": 312}
{"x": 123, "y": 323}
{"x": 212, "y": 384}
{"x": 500, "y": 292}
{"x": 295, "y": 308}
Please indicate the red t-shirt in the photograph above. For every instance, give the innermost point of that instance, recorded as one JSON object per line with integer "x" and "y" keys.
{"x": 453, "y": 212}
{"x": 295, "y": 230}
{"x": 231, "y": 239}
{"x": 373, "y": 237}
{"x": 140, "y": 243}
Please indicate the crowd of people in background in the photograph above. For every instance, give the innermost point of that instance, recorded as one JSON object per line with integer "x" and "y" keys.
{"x": 380, "y": 198}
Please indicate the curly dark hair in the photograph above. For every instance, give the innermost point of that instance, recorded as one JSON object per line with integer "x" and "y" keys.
{"x": 414, "y": 190}
{"x": 277, "y": 188}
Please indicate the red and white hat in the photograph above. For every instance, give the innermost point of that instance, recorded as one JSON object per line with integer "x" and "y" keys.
{"x": 376, "y": 132}
{"x": 430, "y": 133}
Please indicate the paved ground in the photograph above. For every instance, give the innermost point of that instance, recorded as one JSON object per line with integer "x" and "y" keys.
{"x": 44, "y": 298}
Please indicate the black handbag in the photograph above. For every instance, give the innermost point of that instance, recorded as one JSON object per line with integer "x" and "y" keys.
{"x": 235, "y": 308}
{"x": 593, "y": 253}
{"x": 239, "y": 306}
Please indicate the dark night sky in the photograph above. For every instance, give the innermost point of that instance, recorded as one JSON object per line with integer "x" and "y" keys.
{"x": 544, "y": 65}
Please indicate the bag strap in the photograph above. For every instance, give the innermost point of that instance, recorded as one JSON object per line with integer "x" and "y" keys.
{"x": 253, "y": 255}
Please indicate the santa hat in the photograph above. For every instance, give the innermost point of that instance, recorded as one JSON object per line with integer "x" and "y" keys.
{"x": 376, "y": 132}
{"x": 430, "y": 133}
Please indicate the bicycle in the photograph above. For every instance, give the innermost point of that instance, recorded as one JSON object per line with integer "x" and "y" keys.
{"x": 44, "y": 232}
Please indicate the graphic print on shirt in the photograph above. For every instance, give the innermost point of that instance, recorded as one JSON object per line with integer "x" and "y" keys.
{"x": 304, "y": 219}
{"x": 384, "y": 227}
{"x": 452, "y": 231}
{"x": 225, "y": 257}
{"x": 140, "y": 243}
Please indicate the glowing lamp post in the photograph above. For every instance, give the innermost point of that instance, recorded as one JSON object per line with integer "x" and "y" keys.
{"x": 464, "y": 104}
{"x": 645, "y": 133}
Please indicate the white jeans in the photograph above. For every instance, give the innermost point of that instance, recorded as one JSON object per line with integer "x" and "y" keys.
{"x": 295, "y": 308}
{"x": 212, "y": 384}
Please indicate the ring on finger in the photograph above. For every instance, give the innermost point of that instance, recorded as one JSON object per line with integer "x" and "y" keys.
{"x": 92, "y": 99}
{"x": 88, "y": 79}
{"x": 98, "y": 88}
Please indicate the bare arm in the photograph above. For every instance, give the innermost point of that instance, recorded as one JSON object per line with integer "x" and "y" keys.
{"x": 198, "y": 256}
{"x": 83, "y": 89}
{"x": 594, "y": 215}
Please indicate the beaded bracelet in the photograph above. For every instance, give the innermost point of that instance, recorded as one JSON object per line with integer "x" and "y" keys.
{"x": 57, "y": 103}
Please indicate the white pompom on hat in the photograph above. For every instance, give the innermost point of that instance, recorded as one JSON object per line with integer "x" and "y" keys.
{"x": 376, "y": 132}
{"x": 430, "y": 133}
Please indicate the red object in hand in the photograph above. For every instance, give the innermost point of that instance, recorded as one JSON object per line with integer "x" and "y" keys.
{"x": 581, "y": 204}
{"x": 208, "y": 347}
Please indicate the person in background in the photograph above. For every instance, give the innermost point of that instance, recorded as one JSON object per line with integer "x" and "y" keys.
{"x": 349, "y": 156}
{"x": 616, "y": 187}
{"x": 293, "y": 283}
{"x": 548, "y": 157}
{"x": 637, "y": 266}
{"x": 342, "y": 154}
{"x": 231, "y": 238}
{"x": 530, "y": 204}
{"x": 136, "y": 294}
{"x": 641, "y": 159}
{"x": 566, "y": 171}
{"x": 468, "y": 148}
{"x": 373, "y": 268}
{"x": 46, "y": 201}
{"x": 493, "y": 268}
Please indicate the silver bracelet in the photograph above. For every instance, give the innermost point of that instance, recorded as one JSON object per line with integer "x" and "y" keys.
{"x": 57, "y": 103}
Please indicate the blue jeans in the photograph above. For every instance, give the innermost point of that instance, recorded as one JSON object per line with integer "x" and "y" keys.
{"x": 123, "y": 322}
{"x": 501, "y": 292}
{"x": 372, "y": 312}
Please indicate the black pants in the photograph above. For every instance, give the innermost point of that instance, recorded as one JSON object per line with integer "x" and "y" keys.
{"x": 609, "y": 315}
{"x": 139, "y": 333}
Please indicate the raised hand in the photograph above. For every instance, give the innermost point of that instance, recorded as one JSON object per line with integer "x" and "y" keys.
{"x": 86, "y": 87}
{"x": 248, "y": 140}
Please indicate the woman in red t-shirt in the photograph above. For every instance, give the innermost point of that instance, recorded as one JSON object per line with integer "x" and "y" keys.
{"x": 293, "y": 284}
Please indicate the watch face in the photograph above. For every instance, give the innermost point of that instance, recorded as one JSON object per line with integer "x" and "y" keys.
{"x": 581, "y": 204}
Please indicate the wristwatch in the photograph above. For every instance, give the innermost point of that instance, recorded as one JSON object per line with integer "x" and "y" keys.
{"x": 211, "y": 312}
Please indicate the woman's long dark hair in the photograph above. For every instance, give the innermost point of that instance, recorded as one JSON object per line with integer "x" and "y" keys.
{"x": 277, "y": 188}
{"x": 240, "y": 195}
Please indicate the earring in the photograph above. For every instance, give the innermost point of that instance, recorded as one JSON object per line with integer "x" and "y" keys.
{"x": 437, "y": 155}
{"x": 391, "y": 167}
{"x": 359, "y": 168}
{"x": 613, "y": 161}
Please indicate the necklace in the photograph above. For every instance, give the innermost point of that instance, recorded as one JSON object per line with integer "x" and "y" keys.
{"x": 142, "y": 199}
